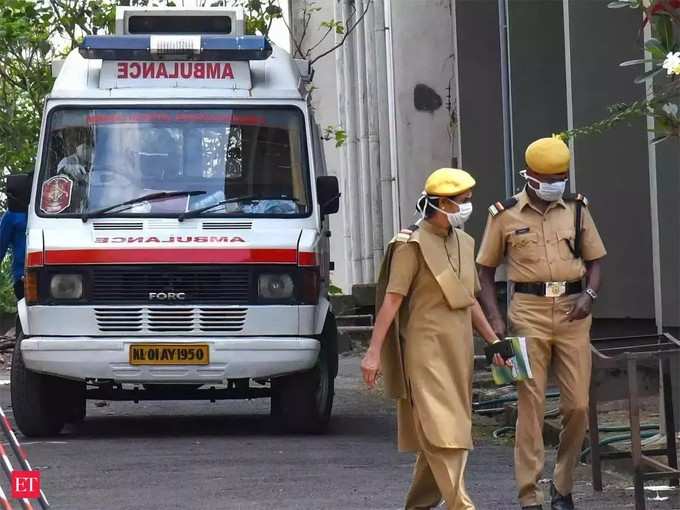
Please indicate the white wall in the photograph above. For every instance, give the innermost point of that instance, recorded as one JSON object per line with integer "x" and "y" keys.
{"x": 324, "y": 101}
{"x": 424, "y": 53}
{"x": 423, "y": 38}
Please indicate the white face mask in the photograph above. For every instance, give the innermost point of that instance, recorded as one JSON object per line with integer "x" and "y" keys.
{"x": 457, "y": 219}
{"x": 548, "y": 191}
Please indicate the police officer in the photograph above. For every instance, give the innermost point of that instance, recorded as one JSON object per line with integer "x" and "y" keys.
{"x": 423, "y": 330}
{"x": 553, "y": 253}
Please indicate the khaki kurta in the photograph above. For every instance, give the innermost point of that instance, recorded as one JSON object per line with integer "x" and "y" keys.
{"x": 428, "y": 357}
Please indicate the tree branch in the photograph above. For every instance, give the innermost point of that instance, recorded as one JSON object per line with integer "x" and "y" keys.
{"x": 347, "y": 33}
{"x": 310, "y": 50}
{"x": 298, "y": 48}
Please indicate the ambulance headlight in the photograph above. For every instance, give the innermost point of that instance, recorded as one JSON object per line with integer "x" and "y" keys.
{"x": 275, "y": 286}
{"x": 66, "y": 286}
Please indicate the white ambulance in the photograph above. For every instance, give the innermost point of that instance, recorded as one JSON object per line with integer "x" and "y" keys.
{"x": 178, "y": 228}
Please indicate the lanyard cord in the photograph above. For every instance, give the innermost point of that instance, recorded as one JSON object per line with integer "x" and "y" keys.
{"x": 448, "y": 257}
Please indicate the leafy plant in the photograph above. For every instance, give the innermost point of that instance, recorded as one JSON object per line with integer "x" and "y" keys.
{"x": 7, "y": 299}
{"x": 664, "y": 55}
{"x": 335, "y": 133}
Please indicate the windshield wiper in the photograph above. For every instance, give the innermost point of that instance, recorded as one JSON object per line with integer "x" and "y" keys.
{"x": 98, "y": 213}
{"x": 197, "y": 212}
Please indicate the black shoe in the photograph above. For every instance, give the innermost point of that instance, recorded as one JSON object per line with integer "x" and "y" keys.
{"x": 532, "y": 507}
{"x": 559, "y": 502}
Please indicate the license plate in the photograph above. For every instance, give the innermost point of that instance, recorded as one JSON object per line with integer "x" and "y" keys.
{"x": 169, "y": 354}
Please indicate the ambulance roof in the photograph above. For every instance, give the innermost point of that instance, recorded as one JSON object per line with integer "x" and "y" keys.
{"x": 277, "y": 77}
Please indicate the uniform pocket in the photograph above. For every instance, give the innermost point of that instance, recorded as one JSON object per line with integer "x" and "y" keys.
{"x": 524, "y": 247}
{"x": 565, "y": 241}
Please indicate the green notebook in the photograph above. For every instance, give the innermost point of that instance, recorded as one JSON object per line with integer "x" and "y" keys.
{"x": 521, "y": 369}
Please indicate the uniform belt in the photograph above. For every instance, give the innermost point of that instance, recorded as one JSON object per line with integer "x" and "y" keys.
{"x": 550, "y": 289}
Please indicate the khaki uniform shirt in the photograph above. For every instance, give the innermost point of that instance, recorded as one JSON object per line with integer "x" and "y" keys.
{"x": 535, "y": 245}
{"x": 435, "y": 331}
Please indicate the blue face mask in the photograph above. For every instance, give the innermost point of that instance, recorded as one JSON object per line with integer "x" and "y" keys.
{"x": 548, "y": 191}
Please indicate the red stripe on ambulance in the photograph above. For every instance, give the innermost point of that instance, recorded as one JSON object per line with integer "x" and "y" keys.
{"x": 179, "y": 256}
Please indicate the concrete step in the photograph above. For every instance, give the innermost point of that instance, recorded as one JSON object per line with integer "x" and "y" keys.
{"x": 364, "y": 295}
{"x": 343, "y": 305}
{"x": 354, "y": 320}
{"x": 357, "y": 335}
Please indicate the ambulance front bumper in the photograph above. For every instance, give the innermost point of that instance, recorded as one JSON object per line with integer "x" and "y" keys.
{"x": 107, "y": 359}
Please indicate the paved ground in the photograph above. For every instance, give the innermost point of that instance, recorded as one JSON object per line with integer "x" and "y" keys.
{"x": 174, "y": 456}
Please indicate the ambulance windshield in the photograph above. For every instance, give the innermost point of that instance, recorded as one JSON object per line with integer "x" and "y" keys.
{"x": 100, "y": 157}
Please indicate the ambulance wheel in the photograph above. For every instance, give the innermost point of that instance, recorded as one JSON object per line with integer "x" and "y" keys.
{"x": 35, "y": 399}
{"x": 302, "y": 403}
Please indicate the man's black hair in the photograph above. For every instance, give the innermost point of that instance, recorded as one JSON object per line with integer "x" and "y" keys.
{"x": 425, "y": 201}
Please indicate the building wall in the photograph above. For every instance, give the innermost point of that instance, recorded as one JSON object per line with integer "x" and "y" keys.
{"x": 425, "y": 91}
{"x": 326, "y": 113}
{"x": 612, "y": 169}
{"x": 438, "y": 43}
{"x": 668, "y": 182}
{"x": 537, "y": 75}
{"x": 481, "y": 106}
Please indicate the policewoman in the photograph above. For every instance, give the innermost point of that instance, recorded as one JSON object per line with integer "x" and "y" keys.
{"x": 553, "y": 253}
{"x": 422, "y": 339}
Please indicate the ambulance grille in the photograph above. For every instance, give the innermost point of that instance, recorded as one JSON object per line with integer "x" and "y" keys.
{"x": 118, "y": 226}
{"x": 214, "y": 285}
{"x": 246, "y": 225}
{"x": 177, "y": 320}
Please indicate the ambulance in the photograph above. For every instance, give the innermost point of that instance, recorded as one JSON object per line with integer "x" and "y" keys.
{"x": 178, "y": 235}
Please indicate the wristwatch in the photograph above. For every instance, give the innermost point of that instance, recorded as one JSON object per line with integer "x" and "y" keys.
{"x": 591, "y": 293}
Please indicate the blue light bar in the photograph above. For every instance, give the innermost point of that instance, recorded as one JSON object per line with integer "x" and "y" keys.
{"x": 141, "y": 47}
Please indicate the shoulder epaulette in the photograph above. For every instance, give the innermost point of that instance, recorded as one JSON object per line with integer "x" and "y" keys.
{"x": 576, "y": 197}
{"x": 405, "y": 233}
{"x": 499, "y": 207}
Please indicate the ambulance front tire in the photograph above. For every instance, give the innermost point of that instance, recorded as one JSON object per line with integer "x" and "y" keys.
{"x": 302, "y": 403}
{"x": 41, "y": 404}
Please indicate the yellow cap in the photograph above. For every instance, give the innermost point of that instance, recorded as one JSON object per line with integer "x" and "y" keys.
{"x": 548, "y": 156}
{"x": 448, "y": 182}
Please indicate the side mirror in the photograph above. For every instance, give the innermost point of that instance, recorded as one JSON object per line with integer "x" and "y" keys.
{"x": 19, "y": 192}
{"x": 328, "y": 194}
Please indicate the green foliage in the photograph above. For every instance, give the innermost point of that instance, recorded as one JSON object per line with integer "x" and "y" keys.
{"x": 663, "y": 102}
{"x": 260, "y": 15}
{"x": 337, "y": 26}
{"x": 334, "y": 290}
{"x": 633, "y": 4}
{"x": 8, "y": 301}
{"x": 618, "y": 114}
{"x": 335, "y": 133}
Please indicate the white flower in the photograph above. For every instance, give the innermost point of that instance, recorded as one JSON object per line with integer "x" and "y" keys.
{"x": 671, "y": 109}
{"x": 672, "y": 63}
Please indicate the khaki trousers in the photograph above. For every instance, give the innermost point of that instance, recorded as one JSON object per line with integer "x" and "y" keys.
{"x": 552, "y": 342}
{"x": 439, "y": 472}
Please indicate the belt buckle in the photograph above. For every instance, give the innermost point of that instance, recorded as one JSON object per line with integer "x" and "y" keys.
{"x": 555, "y": 289}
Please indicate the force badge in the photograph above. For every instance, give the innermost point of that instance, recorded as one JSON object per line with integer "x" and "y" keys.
{"x": 56, "y": 194}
